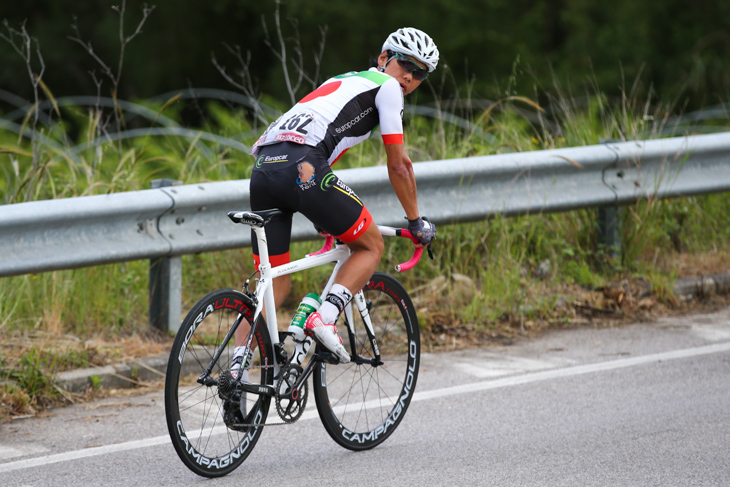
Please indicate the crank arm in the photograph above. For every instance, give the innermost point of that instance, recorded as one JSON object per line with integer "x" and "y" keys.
{"x": 260, "y": 389}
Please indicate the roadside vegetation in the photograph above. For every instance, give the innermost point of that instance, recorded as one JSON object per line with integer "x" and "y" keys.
{"x": 491, "y": 281}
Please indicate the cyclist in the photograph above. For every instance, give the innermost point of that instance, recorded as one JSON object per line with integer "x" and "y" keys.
{"x": 292, "y": 170}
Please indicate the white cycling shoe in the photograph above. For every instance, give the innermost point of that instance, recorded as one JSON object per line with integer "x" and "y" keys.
{"x": 326, "y": 334}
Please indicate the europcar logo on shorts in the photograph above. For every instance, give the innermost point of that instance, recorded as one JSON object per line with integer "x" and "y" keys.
{"x": 271, "y": 159}
{"x": 328, "y": 181}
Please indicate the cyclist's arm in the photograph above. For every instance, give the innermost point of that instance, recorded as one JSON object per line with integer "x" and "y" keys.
{"x": 389, "y": 102}
{"x": 400, "y": 172}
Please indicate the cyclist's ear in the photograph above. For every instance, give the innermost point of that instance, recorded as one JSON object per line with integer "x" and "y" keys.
{"x": 382, "y": 59}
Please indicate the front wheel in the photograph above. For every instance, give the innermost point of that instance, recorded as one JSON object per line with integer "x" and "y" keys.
{"x": 199, "y": 415}
{"x": 361, "y": 404}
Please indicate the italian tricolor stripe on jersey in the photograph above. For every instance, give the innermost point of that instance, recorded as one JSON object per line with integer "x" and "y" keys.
{"x": 373, "y": 76}
{"x": 378, "y": 78}
{"x": 392, "y": 139}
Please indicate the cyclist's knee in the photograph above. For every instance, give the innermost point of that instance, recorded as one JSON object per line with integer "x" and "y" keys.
{"x": 370, "y": 241}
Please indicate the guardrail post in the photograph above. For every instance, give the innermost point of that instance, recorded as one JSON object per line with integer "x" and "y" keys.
{"x": 609, "y": 229}
{"x": 165, "y": 286}
{"x": 609, "y": 235}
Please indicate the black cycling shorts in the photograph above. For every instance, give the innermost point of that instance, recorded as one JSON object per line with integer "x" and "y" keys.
{"x": 294, "y": 177}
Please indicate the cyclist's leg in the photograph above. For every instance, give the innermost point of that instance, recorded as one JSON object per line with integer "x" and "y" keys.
{"x": 353, "y": 275}
{"x": 351, "y": 223}
{"x": 367, "y": 251}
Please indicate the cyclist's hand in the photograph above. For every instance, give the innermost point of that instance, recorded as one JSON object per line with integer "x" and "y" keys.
{"x": 422, "y": 229}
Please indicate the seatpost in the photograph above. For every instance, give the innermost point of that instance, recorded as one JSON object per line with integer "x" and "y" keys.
{"x": 263, "y": 244}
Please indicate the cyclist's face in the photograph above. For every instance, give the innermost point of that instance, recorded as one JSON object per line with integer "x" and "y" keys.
{"x": 407, "y": 82}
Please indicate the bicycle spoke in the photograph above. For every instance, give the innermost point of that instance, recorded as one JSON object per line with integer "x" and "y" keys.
{"x": 201, "y": 422}
{"x": 361, "y": 404}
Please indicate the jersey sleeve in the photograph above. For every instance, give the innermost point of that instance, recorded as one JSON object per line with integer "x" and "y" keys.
{"x": 389, "y": 102}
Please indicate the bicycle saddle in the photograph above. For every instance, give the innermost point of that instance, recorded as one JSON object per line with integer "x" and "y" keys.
{"x": 254, "y": 218}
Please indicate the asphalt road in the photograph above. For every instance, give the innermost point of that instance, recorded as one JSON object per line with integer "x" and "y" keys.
{"x": 641, "y": 405}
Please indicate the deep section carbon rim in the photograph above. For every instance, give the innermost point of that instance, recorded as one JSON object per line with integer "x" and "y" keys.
{"x": 361, "y": 405}
{"x": 195, "y": 412}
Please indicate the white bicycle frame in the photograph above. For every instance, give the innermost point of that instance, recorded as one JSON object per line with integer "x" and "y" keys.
{"x": 265, "y": 293}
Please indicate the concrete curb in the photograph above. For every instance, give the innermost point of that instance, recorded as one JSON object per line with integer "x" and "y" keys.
{"x": 143, "y": 370}
{"x": 121, "y": 376}
{"x": 118, "y": 376}
{"x": 699, "y": 286}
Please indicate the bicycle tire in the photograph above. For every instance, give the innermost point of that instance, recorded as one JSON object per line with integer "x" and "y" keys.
{"x": 361, "y": 405}
{"x": 194, "y": 412}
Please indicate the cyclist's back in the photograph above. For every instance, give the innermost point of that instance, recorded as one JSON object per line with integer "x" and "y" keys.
{"x": 339, "y": 114}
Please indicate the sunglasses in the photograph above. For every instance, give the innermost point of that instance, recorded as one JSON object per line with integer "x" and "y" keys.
{"x": 410, "y": 66}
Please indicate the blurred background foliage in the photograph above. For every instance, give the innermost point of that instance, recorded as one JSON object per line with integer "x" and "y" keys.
{"x": 514, "y": 76}
{"x": 497, "y": 47}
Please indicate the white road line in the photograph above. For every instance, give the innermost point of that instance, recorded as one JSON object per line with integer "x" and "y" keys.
{"x": 419, "y": 396}
{"x": 85, "y": 453}
{"x": 571, "y": 371}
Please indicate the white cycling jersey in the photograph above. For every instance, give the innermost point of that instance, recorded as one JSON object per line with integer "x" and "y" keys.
{"x": 341, "y": 113}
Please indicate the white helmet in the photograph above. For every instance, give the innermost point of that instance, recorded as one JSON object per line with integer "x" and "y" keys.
{"x": 415, "y": 43}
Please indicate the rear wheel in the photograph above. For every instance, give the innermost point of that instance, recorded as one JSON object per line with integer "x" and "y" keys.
{"x": 207, "y": 443}
{"x": 361, "y": 404}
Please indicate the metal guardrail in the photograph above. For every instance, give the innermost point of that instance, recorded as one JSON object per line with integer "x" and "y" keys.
{"x": 173, "y": 221}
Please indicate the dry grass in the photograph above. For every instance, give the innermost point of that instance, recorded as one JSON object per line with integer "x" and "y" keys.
{"x": 704, "y": 264}
{"x": 55, "y": 352}
{"x": 97, "y": 351}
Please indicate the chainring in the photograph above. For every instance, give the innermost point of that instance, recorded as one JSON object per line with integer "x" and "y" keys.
{"x": 290, "y": 408}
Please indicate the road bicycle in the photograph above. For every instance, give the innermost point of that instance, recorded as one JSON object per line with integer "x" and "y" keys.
{"x": 215, "y": 420}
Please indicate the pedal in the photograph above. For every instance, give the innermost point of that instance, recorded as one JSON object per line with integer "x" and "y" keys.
{"x": 327, "y": 356}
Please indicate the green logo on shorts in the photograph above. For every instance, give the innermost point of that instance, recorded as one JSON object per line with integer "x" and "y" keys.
{"x": 327, "y": 182}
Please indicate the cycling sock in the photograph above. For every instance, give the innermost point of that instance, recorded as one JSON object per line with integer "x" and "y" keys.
{"x": 241, "y": 357}
{"x": 334, "y": 303}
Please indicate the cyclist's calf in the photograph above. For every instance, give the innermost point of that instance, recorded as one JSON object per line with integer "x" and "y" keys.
{"x": 366, "y": 254}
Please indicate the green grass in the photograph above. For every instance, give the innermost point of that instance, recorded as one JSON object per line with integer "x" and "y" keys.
{"x": 488, "y": 276}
